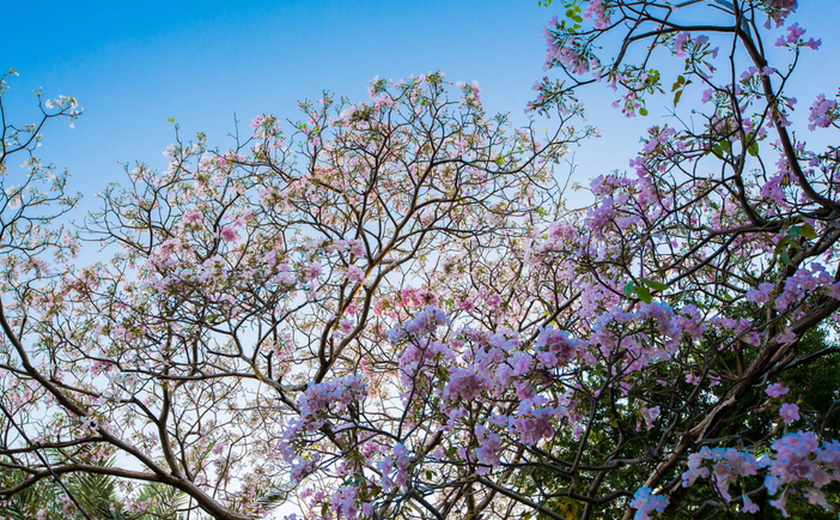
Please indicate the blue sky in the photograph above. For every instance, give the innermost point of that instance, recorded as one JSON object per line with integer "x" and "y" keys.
{"x": 132, "y": 65}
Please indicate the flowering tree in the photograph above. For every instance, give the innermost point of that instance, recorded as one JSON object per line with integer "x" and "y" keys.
{"x": 243, "y": 282}
{"x": 393, "y": 313}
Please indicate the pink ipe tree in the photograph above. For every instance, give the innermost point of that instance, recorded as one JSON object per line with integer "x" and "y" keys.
{"x": 390, "y": 310}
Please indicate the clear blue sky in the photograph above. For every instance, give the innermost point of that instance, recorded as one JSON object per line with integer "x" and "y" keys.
{"x": 132, "y": 65}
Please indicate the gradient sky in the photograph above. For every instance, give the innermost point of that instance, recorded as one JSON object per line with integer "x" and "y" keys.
{"x": 132, "y": 65}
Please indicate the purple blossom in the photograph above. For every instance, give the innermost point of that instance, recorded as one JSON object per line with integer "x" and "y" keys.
{"x": 776, "y": 390}
{"x": 789, "y": 412}
{"x": 760, "y": 295}
{"x": 355, "y": 274}
{"x": 649, "y": 415}
{"x": 823, "y": 113}
{"x": 595, "y": 11}
{"x": 749, "y": 506}
{"x": 679, "y": 44}
{"x": 313, "y": 271}
{"x": 645, "y": 502}
{"x": 228, "y": 234}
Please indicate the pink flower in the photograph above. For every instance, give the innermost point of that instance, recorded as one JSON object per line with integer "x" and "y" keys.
{"x": 192, "y": 217}
{"x": 760, "y": 295}
{"x": 347, "y": 325}
{"x": 313, "y": 271}
{"x": 649, "y": 415}
{"x": 645, "y": 502}
{"x": 789, "y": 412}
{"x": 355, "y": 274}
{"x": 787, "y": 336}
{"x": 228, "y": 234}
{"x": 749, "y": 506}
{"x": 776, "y": 390}
{"x": 679, "y": 44}
{"x": 823, "y": 113}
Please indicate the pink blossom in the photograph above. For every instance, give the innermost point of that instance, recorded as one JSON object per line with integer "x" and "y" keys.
{"x": 313, "y": 271}
{"x": 749, "y": 506}
{"x": 228, "y": 234}
{"x": 823, "y": 112}
{"x": 595, "y": 11}
{"x": 679, "y": 44}
{"x": 760, "y": 295}
{"x": 649, "y": 415}
{"x": 355, "y": 274}
{"x": 193, "y": 217}
{"x": 776, "y": 390}
{"x": 789, "y": 412}
{"x": 813, "y": 44}
{"x": 645, "y": 503}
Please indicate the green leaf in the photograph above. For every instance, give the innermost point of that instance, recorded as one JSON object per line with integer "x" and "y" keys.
{"x": 787, "y": 241}
{"x": 577, "y": 18}
{"x": 658, "y": 286}
{"x": 643, "y": 294}
{"x": 628, "y": 289}
{"x": 808, "y": 231}
{"x": 725, "y": 145}
{"x": 752, "y": 149}
{"x": 794, "y": 232}
{"x": 677, "y": 96}
{"x": 785, "y": 258}
{"x": 643, "y": 111}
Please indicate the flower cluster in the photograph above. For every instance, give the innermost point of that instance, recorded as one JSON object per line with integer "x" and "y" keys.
{"x": 645, "y": 503}
{"x": 823, "y": 113}
{"x": 800, "y": 461}
{"x": 723, "y": 466}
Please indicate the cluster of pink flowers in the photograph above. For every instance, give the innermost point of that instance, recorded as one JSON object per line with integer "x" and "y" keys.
{"x": 802, "y": 284}
{"x": 424, "y": 324}
{"x": 317, "y": 404}
{"x": 598, "y": 13}
{"x": 394, "y": 469}
{"x": 645, "y": 503}
{"x": 569, "y": 52}
{"x": 344, "y": 502}
{"x": 488, "y": 452}
{"x": 533, "y": 420}
{"x": 679, "y": 44}
{"x": 801, "y": 461}
{"x": 823, "y": 113}
{"x": 724, "y": 466}
{"x": 320, "y": 399}
{"x": 556, "y": 347}
{"x": 794, "y": 37}
{"x": 779, "y": 10}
